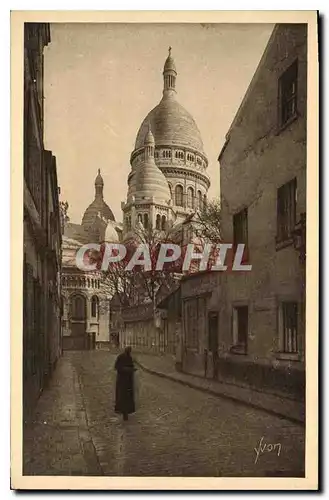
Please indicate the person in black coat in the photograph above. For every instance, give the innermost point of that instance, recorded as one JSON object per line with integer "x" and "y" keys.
{"x": 124, "y": 391}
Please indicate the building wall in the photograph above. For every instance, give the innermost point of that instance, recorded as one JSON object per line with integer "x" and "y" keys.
{"x": 140, "y": 330}
{"x": 258, "y": 157}
{"x": 42, "y": 236}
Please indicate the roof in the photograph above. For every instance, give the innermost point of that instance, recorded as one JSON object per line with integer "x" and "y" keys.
{"x": 97, "y": 206}
{"x": 250, "y": 88}
{"x": 171, "y": 125}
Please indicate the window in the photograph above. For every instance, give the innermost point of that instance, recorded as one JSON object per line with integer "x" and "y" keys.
{"x": 163, "y": 223}
{"x": 166, "y": 153}
{"x": 190, "y": 196}
{"x": 146, "y": 221}
{"x": 191, "y": 321}
{"x": 286, "y": 210}
{"x": 140, "y": 219}
{"x": 240, "y": 330}
{"x": 179, "y": 196}
{"x": 288, "y": 327}
{"x": 288, "y": 94}
{"x": 94, "y": 306}
{"x": 240, "y": 232}
{"x": 240, "y": 227}
{"x": 199, "y": 200}
{"x": 158, "y": 221}
{"x": 78, "y": 307}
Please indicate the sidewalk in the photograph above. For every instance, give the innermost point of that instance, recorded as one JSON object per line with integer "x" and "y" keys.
{"x": 57, "y": 441}
{"x": 278, "y": 405}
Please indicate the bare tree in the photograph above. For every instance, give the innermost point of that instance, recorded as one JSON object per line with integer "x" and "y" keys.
{"x": 208, "y": 221}
{"x": 137, "y": 286}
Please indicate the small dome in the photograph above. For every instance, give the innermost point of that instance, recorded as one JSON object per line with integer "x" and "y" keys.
{"x": 150, "y": 182}
{"x": 111, "y": 236}
{"x": 147, "y": 181}
{"x": 98, "y": 206}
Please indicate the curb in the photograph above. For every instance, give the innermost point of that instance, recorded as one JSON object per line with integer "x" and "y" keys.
{"x": 224, "y": 396}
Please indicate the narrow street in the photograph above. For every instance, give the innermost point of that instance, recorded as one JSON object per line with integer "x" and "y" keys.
{"x": 176, "y": 430}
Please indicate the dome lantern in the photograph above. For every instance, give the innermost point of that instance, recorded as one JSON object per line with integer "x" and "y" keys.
{"x": 99, "y": 184}
{"x": 169, "y": 75}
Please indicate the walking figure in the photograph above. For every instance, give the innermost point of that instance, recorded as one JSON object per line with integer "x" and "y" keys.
{"x": 124, "y": 391}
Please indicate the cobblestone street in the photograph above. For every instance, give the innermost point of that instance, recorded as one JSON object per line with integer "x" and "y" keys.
{"x": 176, "y": 430}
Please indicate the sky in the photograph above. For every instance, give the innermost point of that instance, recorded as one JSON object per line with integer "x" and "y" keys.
{"x": 101, "y": 80}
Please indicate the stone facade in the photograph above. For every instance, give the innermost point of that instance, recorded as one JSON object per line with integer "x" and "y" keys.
{"x": 178, "y": 154}
{"x": 85, "y": 320}
{"x": 261, "y": 313}
{"x": 85, "y": 297}
{"x": 42, "y": 233}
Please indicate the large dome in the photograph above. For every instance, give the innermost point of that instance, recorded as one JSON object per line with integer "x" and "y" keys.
{"x": 171, "y": 125}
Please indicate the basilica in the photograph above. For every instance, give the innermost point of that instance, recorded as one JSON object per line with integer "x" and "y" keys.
{"x": 168, "y": 179}
{"x": 167, "y": 183}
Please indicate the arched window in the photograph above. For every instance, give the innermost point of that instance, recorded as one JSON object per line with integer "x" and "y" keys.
{"x": 94, "y": 306}
{"x": 88, "y": 283}
{"x": 199, "y": 200}
{"x": 146, "y": 221}
{"x": 158, "y": 221}
{"x": 78, "y": 307}
{"x": 140, "y": 219}
{"x": 179, "y": 196}
{"x": 190, "y": 196}
{"x": 163, "y": 222}
{"x": 204, "y": 201}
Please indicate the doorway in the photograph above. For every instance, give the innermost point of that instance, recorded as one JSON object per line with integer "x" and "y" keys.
{"x": 240, "y": 329}
{"x": 78, "y": 317}
{"x": 213, "y": 342}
